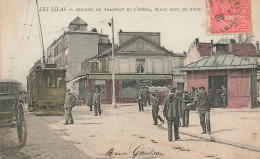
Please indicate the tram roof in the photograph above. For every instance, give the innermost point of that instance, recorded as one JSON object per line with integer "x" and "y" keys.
{"x": 8, "y": 80}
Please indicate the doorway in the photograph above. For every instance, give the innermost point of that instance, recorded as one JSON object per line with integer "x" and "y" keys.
{"x": 180, "y": 87}
{"x": 215, "y": 89}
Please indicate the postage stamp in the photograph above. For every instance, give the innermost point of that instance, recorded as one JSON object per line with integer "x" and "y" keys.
{"x": 229, "y": 16}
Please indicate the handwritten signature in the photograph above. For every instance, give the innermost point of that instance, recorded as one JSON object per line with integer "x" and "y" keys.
{"x": 134, "y": 151}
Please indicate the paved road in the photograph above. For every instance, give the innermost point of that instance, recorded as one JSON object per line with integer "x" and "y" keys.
{"x": 42, "y": 141}
{"x": 46, "y": 136}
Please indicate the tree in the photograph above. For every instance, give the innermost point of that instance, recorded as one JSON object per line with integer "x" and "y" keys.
{"x": 245, "y": 38}
{"x": 241, "y": 38}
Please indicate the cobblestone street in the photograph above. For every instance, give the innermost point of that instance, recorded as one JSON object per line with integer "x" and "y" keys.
{"x": 42, "y": 142}
{"x": 118, "y": 133}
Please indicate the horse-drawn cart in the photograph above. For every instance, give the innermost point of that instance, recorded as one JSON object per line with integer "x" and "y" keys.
{"x": 12, "y": 101}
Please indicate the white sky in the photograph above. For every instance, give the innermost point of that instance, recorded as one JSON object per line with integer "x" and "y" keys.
{"x": 20, "y": 44}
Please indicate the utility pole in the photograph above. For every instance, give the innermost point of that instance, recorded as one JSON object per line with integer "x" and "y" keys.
{"x": 113, "y": 68}
{"x": 40, "y": 30}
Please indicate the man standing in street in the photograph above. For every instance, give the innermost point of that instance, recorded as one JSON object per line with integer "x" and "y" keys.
{"x": 185, "y": 110}
{"x": 140, "y": 100}
{"x": 146, "y": 95}
{"x": 203, "y": 102}
{"x": 70, "y": 102}
{"x": 90, "y": 100}
{"x": 224, "y": 96}
{"x": 155, "y": 109}
{"x": 172, "y": 112}
{"x": 97, "y": 102}
{"x": 192, "y": 93}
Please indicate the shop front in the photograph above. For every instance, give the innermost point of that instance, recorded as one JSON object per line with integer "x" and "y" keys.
{"x": 235, "y": 74}
{"x": 126, "y": 85}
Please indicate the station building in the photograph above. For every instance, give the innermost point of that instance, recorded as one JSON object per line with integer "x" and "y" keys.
{"x": 236, "y": 66}
{"x": 140, "y": 60}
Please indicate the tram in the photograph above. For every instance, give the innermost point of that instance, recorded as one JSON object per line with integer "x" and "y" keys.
{"x": 46, "y": 89}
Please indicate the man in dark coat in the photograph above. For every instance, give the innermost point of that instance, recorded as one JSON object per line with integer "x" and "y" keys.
{"x": 192, "y": 93}
{"x": 224, "y": 96}
{"x": 70, "y": 102}
{"x": 140, "y": 100}
{"x": 203, "y": 102}
{"x": 155, "y": 109}
{"x": 172, "y": 112}
{"x": 97, "y": 102}
{"x": 90, "y": 100}
{"x": 185, "y": 111}
{"x": 146, "y": 95}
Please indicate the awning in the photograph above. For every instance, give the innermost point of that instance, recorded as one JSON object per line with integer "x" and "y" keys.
{"x": 78, "y": 78}
{"x": 222, "y": 61}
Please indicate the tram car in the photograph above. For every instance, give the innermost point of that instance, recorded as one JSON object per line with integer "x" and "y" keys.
{"x": 12, "y": 102}
{"x": 46, "y": 89}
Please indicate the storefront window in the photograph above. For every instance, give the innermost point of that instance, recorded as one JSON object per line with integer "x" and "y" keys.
{"x": 128, "y": 89}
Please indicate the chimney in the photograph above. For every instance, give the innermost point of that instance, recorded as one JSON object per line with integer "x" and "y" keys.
{"x": 257, "y": 46}
{"x": 232, "y": 41}
{"x": 211, "y": 47}
{"x": 197, "y": 42}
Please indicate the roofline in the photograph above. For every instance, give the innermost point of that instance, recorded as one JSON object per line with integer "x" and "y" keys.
{"x": 204, "y": 68}
{"x": 141, "y": 32}
{"x": 74, "y": 32}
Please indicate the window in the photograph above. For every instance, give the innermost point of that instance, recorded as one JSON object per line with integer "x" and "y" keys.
{"x": 181, "y": 62}
{"x": 140, "y": 63}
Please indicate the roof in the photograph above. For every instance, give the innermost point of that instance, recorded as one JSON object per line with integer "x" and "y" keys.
{"x": 222, "y": 61}
{"x": 8, "y": 80}
{"x": 244, "y": 49}
{"x": 78, "y": 21}
{"x": 204, "y": 49}
{"x": 109, "y": 51}
{"x": 237, "y": 49}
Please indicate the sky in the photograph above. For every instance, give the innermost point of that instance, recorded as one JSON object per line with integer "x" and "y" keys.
{"x": 20, "y": 44}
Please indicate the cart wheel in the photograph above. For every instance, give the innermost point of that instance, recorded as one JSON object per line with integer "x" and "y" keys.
{"x": 21, "y": 125}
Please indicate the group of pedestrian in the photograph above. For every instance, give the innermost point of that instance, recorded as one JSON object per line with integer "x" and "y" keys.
{"x": 70, "y": 102}
{"x": 176, "y": 107}
{"x": 143, "y": 97}
{"x": 94, "y": 99}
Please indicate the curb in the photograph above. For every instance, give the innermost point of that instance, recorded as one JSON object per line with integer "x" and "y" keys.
{"x": 223, "y": 141}
{"x": 218, "y": 140}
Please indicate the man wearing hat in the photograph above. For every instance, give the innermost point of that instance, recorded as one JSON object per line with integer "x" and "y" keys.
{"x": 203, "y": 102}
{"x": 70, "y": 102}
{"x": 172, "y": 111}
{"x": 140, "y": 98}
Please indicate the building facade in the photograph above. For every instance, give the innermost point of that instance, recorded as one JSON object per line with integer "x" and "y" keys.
{"x": 139, "y": 61}
{"x": 234, "y": 66}
{"x": 199, "y": 50}
{"x": 73, "y": 46}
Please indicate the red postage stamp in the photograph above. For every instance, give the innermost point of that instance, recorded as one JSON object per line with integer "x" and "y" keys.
{"x": 230, "y": 16}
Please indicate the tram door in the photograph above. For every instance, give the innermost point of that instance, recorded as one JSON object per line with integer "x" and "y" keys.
{"x": 215, "y": 88}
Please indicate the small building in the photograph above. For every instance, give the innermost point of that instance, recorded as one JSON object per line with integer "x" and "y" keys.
{"x": 140, "y": 60}
{"x": 71, "y": 48}
{"x": 199, "y": 50}
{"x": 237, "y": 74}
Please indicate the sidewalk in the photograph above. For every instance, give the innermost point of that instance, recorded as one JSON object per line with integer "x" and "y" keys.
{"x": 238, "y": 127}
{"x": 125, "y": 128}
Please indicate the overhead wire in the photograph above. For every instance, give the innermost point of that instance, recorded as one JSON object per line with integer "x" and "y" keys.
{"x": 12, "y": 66}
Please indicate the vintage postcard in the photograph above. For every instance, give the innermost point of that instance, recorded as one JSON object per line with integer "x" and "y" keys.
{"x": 164, "y": 79}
